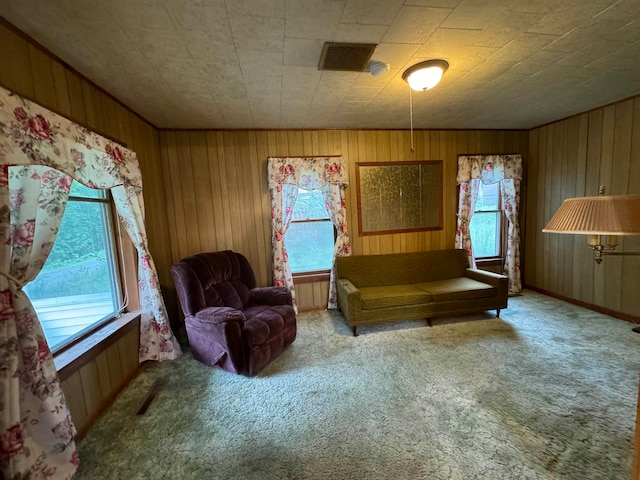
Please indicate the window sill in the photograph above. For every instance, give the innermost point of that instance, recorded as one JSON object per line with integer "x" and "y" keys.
{"x": 494, "y": 264}
{"x": 71, "y": 359}
{"x": 311, "y": 277}
{"x": 489, "y": 260}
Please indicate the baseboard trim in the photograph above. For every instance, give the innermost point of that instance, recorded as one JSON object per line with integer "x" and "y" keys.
{"x": 106, "y": 403}
{"x": 313, "y": 308}
{"x": 590, "y": 306}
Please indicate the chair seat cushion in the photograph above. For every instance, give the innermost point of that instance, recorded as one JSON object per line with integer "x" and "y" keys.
{"x": 265, "y": 322}
{"x": 392, "y": 296}
{"x": 460, "y": 288}
{"x": 219, "y": 315}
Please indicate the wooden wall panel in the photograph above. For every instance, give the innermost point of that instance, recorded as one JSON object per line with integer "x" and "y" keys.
{"x": 570, "y": 158}
{"x": 217, "y": 197}
{"x": 94, "y": 386}
{"x": 30, "y": 71}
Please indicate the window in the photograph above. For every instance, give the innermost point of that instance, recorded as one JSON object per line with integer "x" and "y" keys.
{"x": 486, "y": 225}
{"x": 311, "y": 236}
{"x": 78, "y": 288}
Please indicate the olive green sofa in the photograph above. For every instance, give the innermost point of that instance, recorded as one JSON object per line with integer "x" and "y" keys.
{"x": 403, "y": 286}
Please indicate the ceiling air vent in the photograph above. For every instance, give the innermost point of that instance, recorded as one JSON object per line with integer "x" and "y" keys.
{"x": 351, "y": 57}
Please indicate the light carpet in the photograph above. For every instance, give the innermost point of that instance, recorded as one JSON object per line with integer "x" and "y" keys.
{"x": 547, "y": 391}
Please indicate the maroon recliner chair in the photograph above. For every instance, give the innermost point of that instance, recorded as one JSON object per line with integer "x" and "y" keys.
{"x": 232, "y": 324}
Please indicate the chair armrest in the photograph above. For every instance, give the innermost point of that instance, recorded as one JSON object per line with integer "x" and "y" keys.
{"x": 270, "y": 296}
{"x": 500, "y": 282}
{"x": 220, "y": 315}
{"x": 349, "y": 300}
{"x": 218, "y": 333}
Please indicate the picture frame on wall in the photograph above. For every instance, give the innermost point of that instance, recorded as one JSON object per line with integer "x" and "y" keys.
{"x": 398, "y": 197}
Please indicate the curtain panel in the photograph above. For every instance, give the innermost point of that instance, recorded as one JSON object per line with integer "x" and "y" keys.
{"x": 285, "y": 176}
{"x": 468, "y": 197}
{"x": 489, "y": 169}
{"x": 283, "y": 200}
{"x": 40, "y": 154}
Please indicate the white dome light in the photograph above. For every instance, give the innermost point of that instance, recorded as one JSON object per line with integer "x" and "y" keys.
{"x": 425, "y": 75}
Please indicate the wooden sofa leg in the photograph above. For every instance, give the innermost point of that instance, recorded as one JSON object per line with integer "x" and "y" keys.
{"x": 353, "y": 329}
{"x": 497, "y": 313}
{"x": 429, "y": 322}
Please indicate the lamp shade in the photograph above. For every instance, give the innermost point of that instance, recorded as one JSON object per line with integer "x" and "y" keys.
{"x": 425, "y": 75}
{"x": 601, "y": 215}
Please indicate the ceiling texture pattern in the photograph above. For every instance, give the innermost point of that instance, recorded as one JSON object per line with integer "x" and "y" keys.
{"x": 514, "y": 64}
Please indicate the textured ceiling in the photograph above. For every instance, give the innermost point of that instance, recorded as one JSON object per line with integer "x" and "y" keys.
{"x": 254, "y": 63}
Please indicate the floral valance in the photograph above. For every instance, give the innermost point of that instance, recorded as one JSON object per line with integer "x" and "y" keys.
{"x": 310, "y": 173}
{"x": 37, "y": 136}
{"x": 489, "y": 168}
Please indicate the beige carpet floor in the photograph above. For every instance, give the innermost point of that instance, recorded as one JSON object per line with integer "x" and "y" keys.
{"x": 547, "y": 391}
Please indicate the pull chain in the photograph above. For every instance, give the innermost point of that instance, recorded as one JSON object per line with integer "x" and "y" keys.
{"x": 412, "y": 150}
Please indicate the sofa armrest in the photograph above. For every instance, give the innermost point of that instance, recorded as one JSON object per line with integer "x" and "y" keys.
{"x": 270, "y": 296}
{"x": 500, "y": 282}
{"x": 216, "y": 315}
{"x": 349, "y": 300}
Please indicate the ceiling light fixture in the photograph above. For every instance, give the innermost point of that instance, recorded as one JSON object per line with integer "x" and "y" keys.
{"x": 423, "y": 76}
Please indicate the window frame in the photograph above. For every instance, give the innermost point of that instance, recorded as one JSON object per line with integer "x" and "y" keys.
{"x": 72, "y": 357}
{"x": 502, "y": 229}
{"x": 121, "y": 252}
{"x": 108, "y": 226}
{"x": 314, "y": 275}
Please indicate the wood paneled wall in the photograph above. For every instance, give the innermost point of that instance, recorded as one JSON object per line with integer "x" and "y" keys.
{"x": 572, "y": 158}
{"x": 105, "y": 370}
{"x": 217, "y": 195}
{"x": 30, "y": 71}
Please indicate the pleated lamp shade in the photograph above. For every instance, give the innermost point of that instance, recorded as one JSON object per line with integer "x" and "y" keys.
{"x": 601, "y": 215}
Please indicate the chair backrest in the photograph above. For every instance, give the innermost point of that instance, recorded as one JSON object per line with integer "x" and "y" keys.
{"x": 217, "y": 279}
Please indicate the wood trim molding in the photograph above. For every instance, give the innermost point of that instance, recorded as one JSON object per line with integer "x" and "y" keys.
{"x": 315, "y": 308}
{"x": 59, "y": 113}
{"x": 596, "y": 308}
{"x": 53, "y": 56}
{"x": 72, "y": 359}
{"x": 310, "y": 277}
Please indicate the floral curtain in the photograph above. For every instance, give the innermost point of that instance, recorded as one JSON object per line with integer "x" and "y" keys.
{"x": 157, "y": 341}
{"x": 466, "y": 207}
{"x": 488, "y": 169}
{"x": 34, "y": 418}
{"x": 40, "y": 154}
{"x": 334, "y": 200}
{"x": 328, "y": 174}
{"x": 510, "y": 193}
{"x": 283, "y": 199}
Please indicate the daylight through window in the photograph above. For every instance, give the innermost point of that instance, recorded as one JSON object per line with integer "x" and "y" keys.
{"x": 486, "y": 223}
{"x": 310, "y": 238}
{"x": 78, "y": 288}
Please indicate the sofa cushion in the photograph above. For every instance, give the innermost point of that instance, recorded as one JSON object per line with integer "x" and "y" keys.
{"x": 402, "y": 268}
{"x": 461, "y": 288}
{"x": 392, "y": 296}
